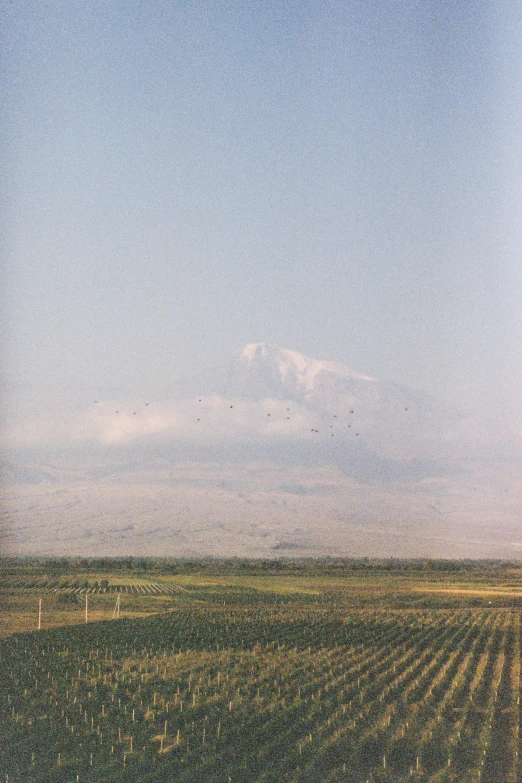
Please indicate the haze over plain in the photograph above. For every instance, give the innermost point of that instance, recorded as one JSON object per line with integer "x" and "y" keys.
{"x": 183, "y": 181}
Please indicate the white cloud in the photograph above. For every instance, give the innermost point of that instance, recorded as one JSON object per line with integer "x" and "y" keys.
{"x": 109, "y": 422}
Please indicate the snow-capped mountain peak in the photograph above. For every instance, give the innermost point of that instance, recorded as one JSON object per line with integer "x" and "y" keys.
{"x": 261, "y": 370}
{"x": 391, "y": 419}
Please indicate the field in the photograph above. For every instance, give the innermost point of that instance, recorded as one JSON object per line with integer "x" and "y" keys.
{"x": 261, "y": 672}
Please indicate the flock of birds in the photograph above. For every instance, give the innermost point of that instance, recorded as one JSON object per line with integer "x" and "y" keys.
{"x": 313, "y": 429}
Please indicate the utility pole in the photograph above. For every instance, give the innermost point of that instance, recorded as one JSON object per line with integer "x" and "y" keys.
{"x": 39, "y": 614}
{"x": 86, "y": 607}
{"x": 116, "y": 612}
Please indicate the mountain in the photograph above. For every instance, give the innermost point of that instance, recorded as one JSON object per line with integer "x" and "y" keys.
{"x": 392, "y": 420}
{"x": 259, "y": 371}
{"x": 291, "y": 456}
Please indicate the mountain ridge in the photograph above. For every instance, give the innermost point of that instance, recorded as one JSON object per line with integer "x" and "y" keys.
{"x": 283, "y": 372}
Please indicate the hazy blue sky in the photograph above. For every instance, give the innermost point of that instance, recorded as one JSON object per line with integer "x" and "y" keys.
{"x": 341, "y": 178}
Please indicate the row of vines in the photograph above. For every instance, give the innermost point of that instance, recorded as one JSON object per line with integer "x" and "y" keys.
{"x": 82, "y": 587}
{"x": 305, "y": 694}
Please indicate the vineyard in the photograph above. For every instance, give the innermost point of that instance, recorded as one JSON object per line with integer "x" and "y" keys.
{"x": 253, "y": 689}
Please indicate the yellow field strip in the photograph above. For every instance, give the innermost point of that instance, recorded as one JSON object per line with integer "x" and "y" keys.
{"x": 469, "y": 591}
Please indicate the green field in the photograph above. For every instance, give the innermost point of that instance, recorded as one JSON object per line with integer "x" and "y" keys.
{"x": 261, "y": 673}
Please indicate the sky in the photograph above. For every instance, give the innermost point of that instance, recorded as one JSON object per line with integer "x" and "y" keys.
{"x": 183, "y": 178}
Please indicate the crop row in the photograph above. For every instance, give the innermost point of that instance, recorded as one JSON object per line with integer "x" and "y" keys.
{"x": 233, "y": 695}
{"x": 80, "y": 588}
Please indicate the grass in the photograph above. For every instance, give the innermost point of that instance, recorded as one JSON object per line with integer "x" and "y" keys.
{"x": 19, "y": 613}
{"x": 265, "y": 689}
{"x": 260, "y": 673}
{"x": 23, "y": 584}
